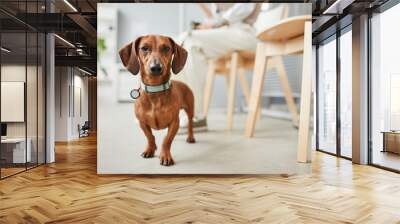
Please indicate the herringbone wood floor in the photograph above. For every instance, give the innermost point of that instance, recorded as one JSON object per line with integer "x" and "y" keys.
{"x": 69, "y": 191}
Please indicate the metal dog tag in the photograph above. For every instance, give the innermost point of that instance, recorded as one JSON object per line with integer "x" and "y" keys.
{"x": 135, "y": 93}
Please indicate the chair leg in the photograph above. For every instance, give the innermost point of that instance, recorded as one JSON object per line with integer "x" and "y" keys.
{"x": 305, "y": 104}
{"x": 209, "y": 87}
{"x": 246, "y": 91}
{"x": 232, "y": 88}
{"x": 256, "y": 89}
{"x": 258, "y": 115}
{"x": 244, "y": 85}
{"x": 287, "y": 91}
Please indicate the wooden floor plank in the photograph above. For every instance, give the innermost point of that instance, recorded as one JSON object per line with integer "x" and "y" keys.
{"x": 70, "y": 191}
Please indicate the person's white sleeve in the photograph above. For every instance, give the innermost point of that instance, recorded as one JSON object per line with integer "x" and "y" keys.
{"x": 238, "y": 12}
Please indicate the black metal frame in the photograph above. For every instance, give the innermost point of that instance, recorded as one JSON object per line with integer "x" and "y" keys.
{"x": 44, "y": 79}
{"x": 338, "y": 98}
{"x": 316, "y": 97}
{"x": 0, "y": 90}
{"x": 369, "y": 90}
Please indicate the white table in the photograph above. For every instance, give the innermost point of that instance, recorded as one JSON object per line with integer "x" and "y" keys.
{"x": 19, "y": 155}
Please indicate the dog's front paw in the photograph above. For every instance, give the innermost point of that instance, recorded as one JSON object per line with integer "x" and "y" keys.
{"x": 148, "y": 153}
{"x": 166, "y": 159}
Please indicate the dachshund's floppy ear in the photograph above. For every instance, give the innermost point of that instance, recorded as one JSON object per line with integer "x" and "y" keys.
{"x": 129, "y": 58}
{"x": 180, "y": 56}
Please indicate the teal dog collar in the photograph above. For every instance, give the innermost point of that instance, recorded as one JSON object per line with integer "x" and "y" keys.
{"x": 157, "y": 88}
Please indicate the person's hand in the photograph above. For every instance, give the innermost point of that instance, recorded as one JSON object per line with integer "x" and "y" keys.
{"x": 205, "y": 26}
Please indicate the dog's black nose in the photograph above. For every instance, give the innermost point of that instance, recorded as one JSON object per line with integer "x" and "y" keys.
{"x": 156, "y": 69}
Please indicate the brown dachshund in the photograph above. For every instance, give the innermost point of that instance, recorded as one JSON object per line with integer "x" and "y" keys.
{"x": 160, "y": 99}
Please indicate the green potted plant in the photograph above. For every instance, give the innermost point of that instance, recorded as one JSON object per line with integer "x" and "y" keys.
{"x": 101, "y": 48}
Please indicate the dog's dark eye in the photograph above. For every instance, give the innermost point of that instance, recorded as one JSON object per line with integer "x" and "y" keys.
{"x": 166, "y": 49}
{"x": 145, "y": 49}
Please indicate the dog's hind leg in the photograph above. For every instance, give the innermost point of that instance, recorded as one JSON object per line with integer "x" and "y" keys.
{"x": 151, "y": 143}
{"x": 189, "y": 109}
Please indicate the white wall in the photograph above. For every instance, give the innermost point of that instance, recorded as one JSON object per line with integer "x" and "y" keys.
{"x": 132, "y": 21}
{"x": 61, "y": 103}
{"x": 12, "y": 73}
{"x": 68, "y": 83}
{"x": 81, "y": 84}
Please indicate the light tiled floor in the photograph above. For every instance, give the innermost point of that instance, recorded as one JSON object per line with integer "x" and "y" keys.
{"x": 218, "y": 151}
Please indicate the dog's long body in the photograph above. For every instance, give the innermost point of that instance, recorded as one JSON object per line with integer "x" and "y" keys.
{"x": 159, "y": 110}
{"x": 155, "y": 56}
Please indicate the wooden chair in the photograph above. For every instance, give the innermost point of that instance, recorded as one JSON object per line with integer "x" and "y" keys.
{"x": 230, "y": 66}
{"x": 236, "y": 64}
{"x": 290, "y": 36}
